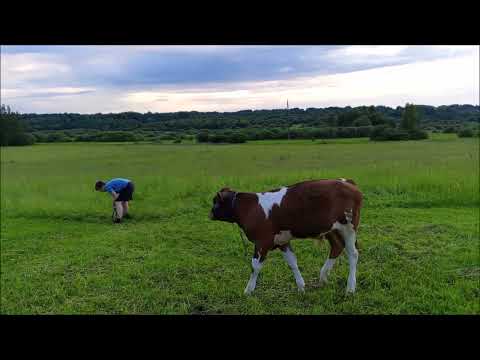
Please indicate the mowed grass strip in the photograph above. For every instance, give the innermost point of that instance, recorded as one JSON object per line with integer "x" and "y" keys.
{"x": 419, "y": 232}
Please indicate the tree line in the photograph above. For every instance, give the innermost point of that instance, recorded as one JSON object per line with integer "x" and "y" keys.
{"x": 194, "y": 120}
{"x": 379, "y": 123}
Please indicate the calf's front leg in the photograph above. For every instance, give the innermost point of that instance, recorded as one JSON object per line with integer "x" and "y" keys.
{"x": 257, "y": 264}
{"x": 291, "y": 259}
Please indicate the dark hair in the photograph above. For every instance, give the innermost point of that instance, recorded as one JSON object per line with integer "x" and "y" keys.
{"x": 99, "y": 184}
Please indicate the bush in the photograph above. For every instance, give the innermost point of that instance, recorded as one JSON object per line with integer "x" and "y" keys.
{"x": 237, "y": 138}
{"x": 364, "y": 131}
{"x": 218, "y": 138}
{"x": 116, "y": 136}
{"x": 384, "y": 133}
{"x": 167, "y": 136}
{"x": 57, "y": 137}
{"x": 202, "y": 137}
{"x": 466, "y": 133}
{"x": 378, "y": 132}
{"x": 86, "y": 137}
{"x": 395, "y": 134}
{"x": 449, "y": 130}
{"x": 418, "y": 134}
{"x": 39, "y": 137}
{"x": 225, "y": 137}
{"x": 325, "y": 133}
{"x": 22, "y": 139}
{"x": 177, "y": 141}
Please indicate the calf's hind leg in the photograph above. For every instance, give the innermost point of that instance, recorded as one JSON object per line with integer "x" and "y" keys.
{"x": 349, "y": 235}
{"x": 336, "y": 247}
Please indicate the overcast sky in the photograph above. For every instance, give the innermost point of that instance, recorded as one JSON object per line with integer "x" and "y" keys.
{"x": 93, "y": 79}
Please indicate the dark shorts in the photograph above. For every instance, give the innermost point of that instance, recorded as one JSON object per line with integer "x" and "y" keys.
{"x": 126, "y": 194}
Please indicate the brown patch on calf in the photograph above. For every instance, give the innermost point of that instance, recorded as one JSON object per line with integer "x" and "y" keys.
{"x": 337, "y": 244}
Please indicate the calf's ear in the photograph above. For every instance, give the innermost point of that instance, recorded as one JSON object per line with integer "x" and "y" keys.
{"x": 222, "y": 193}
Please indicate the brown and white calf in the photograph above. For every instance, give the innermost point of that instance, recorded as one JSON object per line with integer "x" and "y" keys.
{"x": 310, "y": 209}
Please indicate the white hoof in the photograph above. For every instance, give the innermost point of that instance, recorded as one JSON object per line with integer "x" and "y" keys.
{"x": 351, "y": 285}
{"x": 350, "y": 291}
{"x": 301, "y": 285}
{"x": 248, "y": 290}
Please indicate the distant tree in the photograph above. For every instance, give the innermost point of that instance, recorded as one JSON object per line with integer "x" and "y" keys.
{"x": 218, "y": 138}
{"x": 363, "y": 120}
{"x": 417, "y": 134}
{"x": 202, "y": 137}
{"x": 410, "y": 120}
{"x": 378, "y": 132}
{"x": 13, "y": 129}
{"x": 116, "y": 136}
{"x": 22, "y": 139}
{"x": 39, "y": 137}
{"x": 466, "y": 133}
{"x": 386, "y": 133}
{"x": 237, "y": 138}
{"x": 332, "y": 120}
{"x": 449, "y": 130}
{"x": 364, "y": 131}
{"x": 57, "y": 137}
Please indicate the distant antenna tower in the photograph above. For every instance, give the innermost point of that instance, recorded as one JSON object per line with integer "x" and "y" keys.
{"x": 288, "y": 124}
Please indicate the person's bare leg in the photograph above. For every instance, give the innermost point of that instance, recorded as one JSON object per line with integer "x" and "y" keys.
{"x": 125, "y": 209}
{"x": 119, "y": 209}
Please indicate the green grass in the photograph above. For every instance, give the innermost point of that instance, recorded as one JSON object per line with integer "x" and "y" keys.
{"x": 60, "y": 253}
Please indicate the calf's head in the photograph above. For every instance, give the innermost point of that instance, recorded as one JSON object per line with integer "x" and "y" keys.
{"x": 223, "y": 205}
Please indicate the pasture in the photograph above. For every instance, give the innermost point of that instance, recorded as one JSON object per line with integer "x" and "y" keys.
{"x": 61, "y": 254}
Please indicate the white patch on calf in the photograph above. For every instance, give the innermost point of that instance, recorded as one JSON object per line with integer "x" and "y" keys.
{"x": 349, "y": 215}
{"x": 268, "y": 199}
{"x": 283, "y": 237}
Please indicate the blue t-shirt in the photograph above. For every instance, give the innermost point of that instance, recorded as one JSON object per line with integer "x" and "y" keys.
{"x": 116, "y": 185}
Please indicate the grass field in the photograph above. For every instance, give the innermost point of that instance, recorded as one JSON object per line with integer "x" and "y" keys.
{"x": 60, "y": 253}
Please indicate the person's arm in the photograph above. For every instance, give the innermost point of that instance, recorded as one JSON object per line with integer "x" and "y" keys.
{"x": 114, "y": 195}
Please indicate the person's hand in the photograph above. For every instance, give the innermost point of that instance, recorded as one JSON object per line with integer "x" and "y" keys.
{"x": 115, "y": 196}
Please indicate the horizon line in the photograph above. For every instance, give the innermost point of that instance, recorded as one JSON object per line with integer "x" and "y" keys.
{"x": 243, "y": 110}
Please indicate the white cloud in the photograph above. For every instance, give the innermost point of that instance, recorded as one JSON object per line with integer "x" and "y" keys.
{"x": 25, "y": 67}
{"x": 382, "y": 50}
{"x": 447, "y": 81}
{"x": 395, "y": 54}
{"x": 46, "y": 92}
